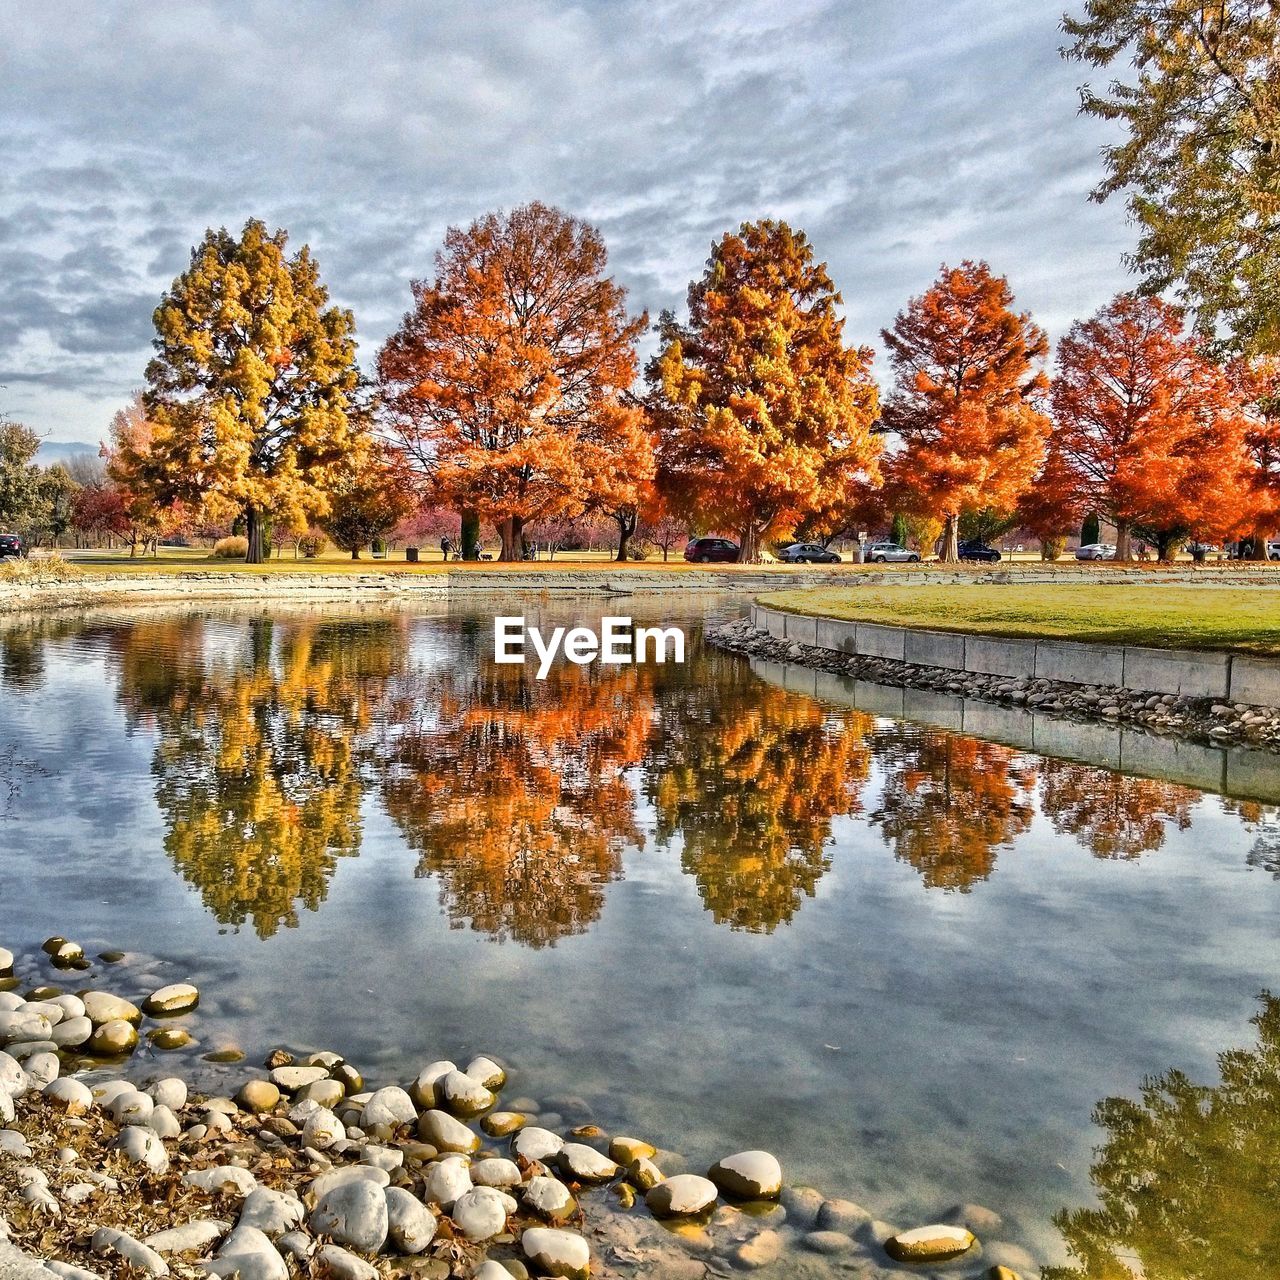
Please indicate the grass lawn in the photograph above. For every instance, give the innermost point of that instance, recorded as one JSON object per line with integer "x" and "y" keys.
{"x": 1241, "y": 619}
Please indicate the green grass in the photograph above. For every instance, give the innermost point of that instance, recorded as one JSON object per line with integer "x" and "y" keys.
{"x": 1239, "y": 619}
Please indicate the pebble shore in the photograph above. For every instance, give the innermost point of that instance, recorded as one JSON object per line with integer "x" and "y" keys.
{"x": 109, "y": 1167}
{"x": 1195, "y": 719}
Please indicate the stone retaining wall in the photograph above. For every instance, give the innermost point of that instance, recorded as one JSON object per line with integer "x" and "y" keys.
{"x": 1188, "y": 673}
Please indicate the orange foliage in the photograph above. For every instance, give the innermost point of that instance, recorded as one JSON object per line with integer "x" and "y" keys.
{"x": 507, "y": 383}
{"x": 967, "y": 398}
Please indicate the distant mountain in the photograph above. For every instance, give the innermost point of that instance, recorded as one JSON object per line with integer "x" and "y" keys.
{"x": 63, "y": 451}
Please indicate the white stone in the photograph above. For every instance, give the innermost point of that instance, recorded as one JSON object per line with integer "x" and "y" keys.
{"x": 325, "y": 1183}
{"x": 464, "y": 1095}
{"x": 322, "y": 1129}
{"x": 557, "y": 1253}
{"x": 584, "y": 1163}
{"x": 354, "y": 1214}
{"x": 47, "y": 1009}
{"x": 177, "y": 997}
{"x": 487, "y": 1072}
{"x": 130, "y": 1107}
{"x": 748, "y": 1175}
{"x": 386, "y": 1111}
{"x": 164, "y": 1122}
{"x": 411, "y": 1226}
{"x": 934, "y": 1243}
{"x": 247, "y": 1254}
{"x": 684, "y": 1195}
{"x": 190, "y": 1237}
{"x": 171, "y": 1093}
{"x": 6, "y": 962}
{"x": 498, "y": 1172}
{"x": 447, "y": 1134}
{"x": 444, "y": 1181}
{"x": 13, "y": 1080}
{"x": 271, "y": 1212}
{"x": 548, "y": 1196}
{"x": 225, "y": 1179}
{"x": 101, "y": 1007}
{"x": 108, "y": 1242}
{"x": 42, "y": 1069}
{"x": 424, "y": 1089}
{"x": 335, "y": 1263}
{"x": 291, "y": 1079}
{"x": 72, "y": 1033}
{"x": 534, "y": 1143}
{"x": 479, "y": 1214}
{"x": 143, "y": 1146}
{"x": 71, "y": 1006}
{"x": 20, "y": 1025}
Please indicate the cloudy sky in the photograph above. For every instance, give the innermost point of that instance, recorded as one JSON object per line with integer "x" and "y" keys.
{"x": 898, "y": 133}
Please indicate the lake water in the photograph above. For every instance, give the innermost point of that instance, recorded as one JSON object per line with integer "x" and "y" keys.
{"x": 717, "y": 913}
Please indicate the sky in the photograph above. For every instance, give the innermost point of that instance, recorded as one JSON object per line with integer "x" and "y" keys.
{"x": 899, "y": 134}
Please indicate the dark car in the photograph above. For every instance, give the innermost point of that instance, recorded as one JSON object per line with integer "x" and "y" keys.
{"x": 807, "y": 553}
{"x": 705, "y": 550}
{"x": 978, "y": 551}
{"x": 11, "y": 545}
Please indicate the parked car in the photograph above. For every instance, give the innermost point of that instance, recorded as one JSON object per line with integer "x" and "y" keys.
{"x": 807, "y": 553}
{"x": 890, "y": 553}
{"x": 11, "y": 545}
{"x": 1273, "y": 550}
{"x": 705, "y": 550}
{"x": 974, "y": 550}
{"x": 1096, "y": 551}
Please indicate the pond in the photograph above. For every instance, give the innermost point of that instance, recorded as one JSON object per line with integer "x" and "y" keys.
{"x": 686, "y": 900}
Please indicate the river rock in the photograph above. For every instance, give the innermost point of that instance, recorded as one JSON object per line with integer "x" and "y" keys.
{"x": 258, "y": 1096}
{"x": 130, "y": 1107}
{"x": 487, "y": 1072}
{"x": 71, "y": 1006}
{"x": 760, "y": 1251}
{"x": 557, "y": 1253}
{"x": 803, "y": 1205}
{"x": 842, "y": 1215}
{"x": 111, "y": 1039}
{"x": 12, "y": 1143}
{"x": 322, "y": 1130}
{"x": 829, "y": 1242}
{"x": 108, "y": 1242}
{"x": 425, "y": 1092}
{"x": 46, "y": 1009}
{"x": 297, "y": 1245}
{"x": 479, "y": 1213}
{"x": 354, "y": 1213}
{"x": 6, "y": 962}
{"x": 335, "y": 1263}
{"x": 169, "y": 1038}
{"x": 140, "y": 1145}
{"x": 498, "y": 1172}
{"x": 463, "y": 1095}
{"x": 411, "y": 1226}
{"x": 643, "y": 1174}
{"x": 445, "y": 1181}
{"x": 1013, "y": 1257}
{"x": 7, "y": 1111}
{"x": 101, "y": 1007}
{"x": 177, "y": 997}
{"x": 978, "y": 1218}
{"x": 271, "y": 1212}
{"x": 224, "y": 1179}
{"x": 170, "y": 1092}
{"x": 501, "y": 1124}
{"x": 325, "y": 1093}
{"x": 536, "y": 1143}
{"x": 934, "y": 1243}
{"x": 685, "y": 1195}
{"x": 13, "y": 1079}
{"x": 491, "y": 1270}
{"x": 164, "y": 1122}
{"x": 291, "y": 1079}
{"x": 68, "y": 955}
{"x": 247, "y": 1254}
{"x": 42, "y": 1069}
{"x": 22, "y": 1025}
{"x": 1002, "y": 1273}
{"x": 386, "y": 1111}
{"x": 585, "y": 1164}
{"x": 549, "y": 1198}
{"x": 447, "y": 1134}
{"x": 388, "y": 1158}
{"x": 625, "y": 1150}
{"x": 749, "y": 1175}
{"x": 190, "y": 1237}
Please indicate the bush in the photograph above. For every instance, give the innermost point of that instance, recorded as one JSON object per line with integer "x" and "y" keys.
{"x": 49, "y": 569}
{"x": 1052, "y": 548}
{"x": 234, "y": 548}
{"x": 311, "y": 545}
{"x": 641, "y": 551}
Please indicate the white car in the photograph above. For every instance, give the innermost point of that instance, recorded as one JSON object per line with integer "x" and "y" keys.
{"x": 1096, "y": 551}
{"x": 1273, "y": 550}
{"x": 890, "y": 552}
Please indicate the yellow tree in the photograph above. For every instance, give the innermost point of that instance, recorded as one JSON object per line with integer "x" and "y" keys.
{"x": 764, "y": 415}
{"x": 251, "y": 390}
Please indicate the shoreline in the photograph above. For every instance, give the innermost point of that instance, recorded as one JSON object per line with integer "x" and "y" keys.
{"x": 301, "y": 1162}
{"x": 1195, "y": 719}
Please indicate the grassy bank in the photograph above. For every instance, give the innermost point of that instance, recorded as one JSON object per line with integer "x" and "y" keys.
{"x": 1239, "y": 619}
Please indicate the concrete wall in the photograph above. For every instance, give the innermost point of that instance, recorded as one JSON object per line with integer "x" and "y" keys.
{"x": 1184, "y": 672}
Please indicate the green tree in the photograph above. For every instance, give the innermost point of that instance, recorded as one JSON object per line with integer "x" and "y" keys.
{"x": 1090, "y": 530}
{"x": 368, "y": 503}
{"x": 1201, "y": 159}
{"x": 251, "y": 389}
{"x": 21, "y": 497}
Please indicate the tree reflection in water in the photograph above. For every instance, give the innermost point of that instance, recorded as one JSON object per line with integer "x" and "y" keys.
{"x": 1188, "y": 1178}
{"x": 256, "y": 763}
{"x": 751, "y": 777}
{"x": 949, "y": 803}
{"x": 512, "y": 790}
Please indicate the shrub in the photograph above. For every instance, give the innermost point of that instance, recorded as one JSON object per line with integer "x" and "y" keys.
{"x": 311, "y": 545}
{"x": 48, "y": 569}
{"x": 1052, "y": 548}
{"x": 234, "y": 548}
{"x": 639, "y": 551}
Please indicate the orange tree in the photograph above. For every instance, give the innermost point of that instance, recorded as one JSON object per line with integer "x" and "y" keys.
{"x": 1148, "y": 428}
{"x": 128, "y": 507}
{"x": 1260, "y": 383}
{"x": 251, "y": 386}
{"x": 763, "y": 414}
{"x": 506, "y": 383}
{"x": 966, "y": 402}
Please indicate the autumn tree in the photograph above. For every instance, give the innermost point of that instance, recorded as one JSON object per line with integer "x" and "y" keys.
{"x": 763, "y": 413}
{"x": 1148, "y": 429}
{"x": 131, "y": 468}
{"x": 507, "y": 382}
{"x": 1050, "y": 508}
{"x": 1259, "y": 383}
{"x": 967, "y": 399}
{"x": 1200, "y": 156}
{"x": 372, "y": 497}
{"x": 20, "y": 492}
{"x": 251, "y": 389}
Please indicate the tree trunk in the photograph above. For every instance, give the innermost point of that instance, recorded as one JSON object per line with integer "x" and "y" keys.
{"x": 470, "y": 535}
{"x": 950, "y": 553}
{"x": 750, "y": 551}
{"x": 253, "y": 533}
{"x": 626, "y": 527}
{"x": 1123, "y": 551}
{"x": 1255, "y": 547}
{"x": 355, "y": 553}
{"x": 512, "y": 530}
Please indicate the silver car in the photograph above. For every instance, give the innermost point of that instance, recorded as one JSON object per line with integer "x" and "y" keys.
{"x": 1096, "y": 551}
{"x": 890, "y": 553}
